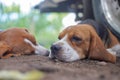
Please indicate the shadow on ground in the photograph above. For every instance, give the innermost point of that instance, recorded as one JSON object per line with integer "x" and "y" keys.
{"x": 56, "y": 70}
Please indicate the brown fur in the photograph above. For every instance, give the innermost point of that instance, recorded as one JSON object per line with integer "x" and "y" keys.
{"x": 12, "y": 42}
{"x": 91, "y": 45}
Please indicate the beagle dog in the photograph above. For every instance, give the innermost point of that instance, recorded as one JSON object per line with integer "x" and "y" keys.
{"x": 86, "y": 40}
{"x": 18, "y": 41}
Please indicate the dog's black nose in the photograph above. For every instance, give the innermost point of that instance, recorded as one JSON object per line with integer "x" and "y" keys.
{"x": 47, "y": 53}
{"x": 55, "y": 48}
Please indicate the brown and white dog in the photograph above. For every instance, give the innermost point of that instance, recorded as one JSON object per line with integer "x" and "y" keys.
{"x": 85, "y": 40}
{"x": 18, "y": 41}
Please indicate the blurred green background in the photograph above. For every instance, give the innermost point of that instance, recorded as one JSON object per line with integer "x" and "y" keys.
{"x": 44, "y": 26}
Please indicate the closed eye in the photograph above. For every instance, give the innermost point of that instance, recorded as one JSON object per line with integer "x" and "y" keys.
{"x": 26, "y": 30}
{"x": 76, "y": 39}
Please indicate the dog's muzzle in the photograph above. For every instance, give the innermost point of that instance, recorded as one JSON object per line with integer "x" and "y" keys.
{"x": 55, "y": 48}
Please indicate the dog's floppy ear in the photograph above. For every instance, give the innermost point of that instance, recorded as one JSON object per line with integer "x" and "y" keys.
{"x": 97, "y": 50}
{"x": 4, "y": 50}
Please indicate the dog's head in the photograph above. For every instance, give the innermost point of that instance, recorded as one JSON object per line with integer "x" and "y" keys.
{"x": 18, "y": 41}
{"x": 79, "y": 42}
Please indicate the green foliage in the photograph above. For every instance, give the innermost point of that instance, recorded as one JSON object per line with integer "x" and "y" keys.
{"x": 11, "y": 9}
{"x": 45, "y": 27}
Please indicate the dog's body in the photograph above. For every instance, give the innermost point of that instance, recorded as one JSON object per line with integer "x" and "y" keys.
{"x": 85, "y": 40}
{"x": 18, "y": 41}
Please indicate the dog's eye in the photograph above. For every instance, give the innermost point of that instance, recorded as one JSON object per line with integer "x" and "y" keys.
{"x": 76, "y": 39}
{"x": 26, "y": 30}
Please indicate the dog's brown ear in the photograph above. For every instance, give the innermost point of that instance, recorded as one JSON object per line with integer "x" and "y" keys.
{"x": 97, "y": 50}
{"x": 4, "y": 50}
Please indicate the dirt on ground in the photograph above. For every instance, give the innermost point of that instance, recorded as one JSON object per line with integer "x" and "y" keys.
{"x": 57, "y": 70}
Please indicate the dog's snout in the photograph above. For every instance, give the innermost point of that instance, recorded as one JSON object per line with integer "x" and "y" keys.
{"x": 47, "y": 53}
{"x": 55, "y": 48}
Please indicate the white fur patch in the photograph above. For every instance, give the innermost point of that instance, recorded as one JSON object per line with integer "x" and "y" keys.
{"x": 111, "y": 51}
{"x": 115, "y": 50}
{"x": 38, "y": 49}
{"x": 68, "y": 53}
